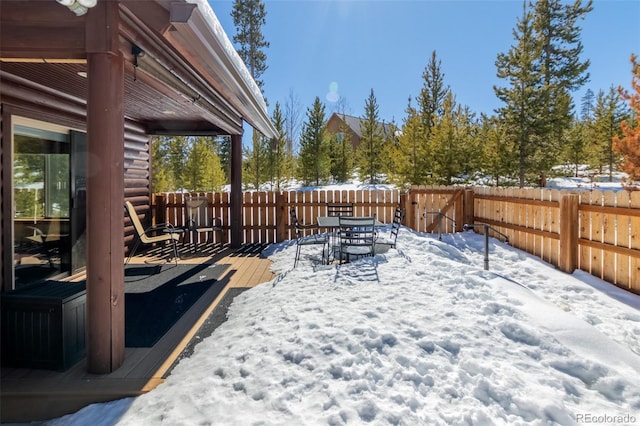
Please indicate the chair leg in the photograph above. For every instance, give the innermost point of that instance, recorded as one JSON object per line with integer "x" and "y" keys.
{"x": 295, "y": 262}
{"x": 132, "y": 252}
{"x": 175, "y": 251}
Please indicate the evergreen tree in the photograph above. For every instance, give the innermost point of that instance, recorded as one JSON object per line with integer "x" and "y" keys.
{"x": 248, "y": 17}
{"x": 177, "y": 149}
{"x": 628, "y": 145}
{"x": 341, "y": 153}
{"x": 203, "y": 171}
{"x": 314, "y": 161}
{"x": 405, "y": 159}
{"x": 558, "y": 34}
{"x": 498, "y": 155}
{"x": 451, "y": 141}
{"x": 523, "y": 100}
{"x": 389, "y": 149}
{"x": 587, "y": 105}
{"x": 162, "y": 178}
{"x": 223, "y": 149}
{"x": 576, "y": 149}
{"x": 432, "y": 94}
{"x": 256, "y": 168}
{"x": 278, "y": 157}
{"x": 368, "y": 155}
{"x": 608, "y": 115}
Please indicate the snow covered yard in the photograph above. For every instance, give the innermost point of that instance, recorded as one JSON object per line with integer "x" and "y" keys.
{"x": 421, "y": 335}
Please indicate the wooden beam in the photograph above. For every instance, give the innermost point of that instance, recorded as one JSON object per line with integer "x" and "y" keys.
{"x": 236, "y": 192}
{"x": 105, "y": 189}
{"x": 40, "y": 29}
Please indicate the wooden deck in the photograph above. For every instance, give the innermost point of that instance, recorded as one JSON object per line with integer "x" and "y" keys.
{"x": 30, "y": 395}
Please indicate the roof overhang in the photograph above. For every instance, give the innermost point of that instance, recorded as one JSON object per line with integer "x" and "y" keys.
{"x": 197, "y": 35}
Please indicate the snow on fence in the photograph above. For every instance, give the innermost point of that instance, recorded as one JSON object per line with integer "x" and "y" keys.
{"x": 598, "y": 232}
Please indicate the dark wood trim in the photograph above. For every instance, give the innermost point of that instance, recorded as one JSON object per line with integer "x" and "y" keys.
{"x": 105, "y": 188}
{"x": 6, "y": 158}
{"x": 235, "y": 197}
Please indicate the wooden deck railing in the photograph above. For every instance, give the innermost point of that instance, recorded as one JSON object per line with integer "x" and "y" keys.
{"x": 593, "y": 231}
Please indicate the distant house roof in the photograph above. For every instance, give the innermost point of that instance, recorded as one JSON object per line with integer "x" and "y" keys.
{"x": 355, "y": 122}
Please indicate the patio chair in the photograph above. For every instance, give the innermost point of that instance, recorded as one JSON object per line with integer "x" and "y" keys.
{"x": 344, "y": 209}
{"x": 307, "y": 240}
{"x": 356, "y": 237}
{"x": 153, "y": 234}
{"x": 199, "y": 220}
{"x": 390, "y": 241}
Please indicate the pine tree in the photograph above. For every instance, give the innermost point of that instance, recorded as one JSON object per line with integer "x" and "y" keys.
{"x": 576, "y": 148}
{"x": 389, "y": 149}
{"x": 587, "y": 105}
{"x": 451, "y": 141}
{"x": 628, "y": 145}
{"x": 203, "y": 172}
{"x": 256, "y": 161}
{"x": 248, "y": 17}
{"x": 523, "y": 99}
{"x": 162, "y": 178}
{"x": 278, "y": 156}
{"x": 223, "y": 149}
{"x": 558, "y": 34}
{"x": 368, "y": 155}
{"x": 498, "y": 155}
{"x": 341, "y": 153}
{"x": 405, "y": 161}
{"x": 432, "y": 94}
{"x": 314, "y": 162}
{"x": 608, "y": 115}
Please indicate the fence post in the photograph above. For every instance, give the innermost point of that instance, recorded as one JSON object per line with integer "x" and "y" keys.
{"x": 160, "y": 209}
{"x": 568, "y": 259}
{"x": 404, "y": 204}
{"x": 281, "y": 217}
{"x": 468, "y": 207}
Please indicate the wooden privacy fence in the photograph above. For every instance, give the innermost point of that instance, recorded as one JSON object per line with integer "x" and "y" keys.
{"x": 265, "y": 215}
{"x": 597, "y": 232}
{"x": 592, "y": 231}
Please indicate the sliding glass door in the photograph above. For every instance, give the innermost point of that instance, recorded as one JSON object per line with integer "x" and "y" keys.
{"x": 44, "y": 231}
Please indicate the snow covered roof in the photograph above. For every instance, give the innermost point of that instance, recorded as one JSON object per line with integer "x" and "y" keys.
{"x": 200, "y": 33}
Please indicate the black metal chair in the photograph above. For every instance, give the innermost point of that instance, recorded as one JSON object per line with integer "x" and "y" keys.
{"x": 199, "y": 220}
{"x": 356, "y": 237}
{"x": 398, "y": 217}
{"x": 307, "y": 240}
{"x": 344, "y": 209}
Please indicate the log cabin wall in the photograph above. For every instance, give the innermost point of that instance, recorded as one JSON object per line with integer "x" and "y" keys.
{"x": 20, "y": 98}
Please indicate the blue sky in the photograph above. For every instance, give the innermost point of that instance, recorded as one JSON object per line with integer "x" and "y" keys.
{"x": 384, "y": 45}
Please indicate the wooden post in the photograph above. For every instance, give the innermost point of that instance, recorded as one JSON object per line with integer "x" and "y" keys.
{"x": 105, "y": 190}
{"x": 411, "y": 219}
{"x": 282, "y": 216}
{"x": 235, "y": 214}
{"x": 468, "y": 206}
{"x": 404, "y": 204}
{"x": 568, "y": 259}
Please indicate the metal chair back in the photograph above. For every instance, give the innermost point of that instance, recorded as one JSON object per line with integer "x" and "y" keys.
{"x": 340, "y": 209}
